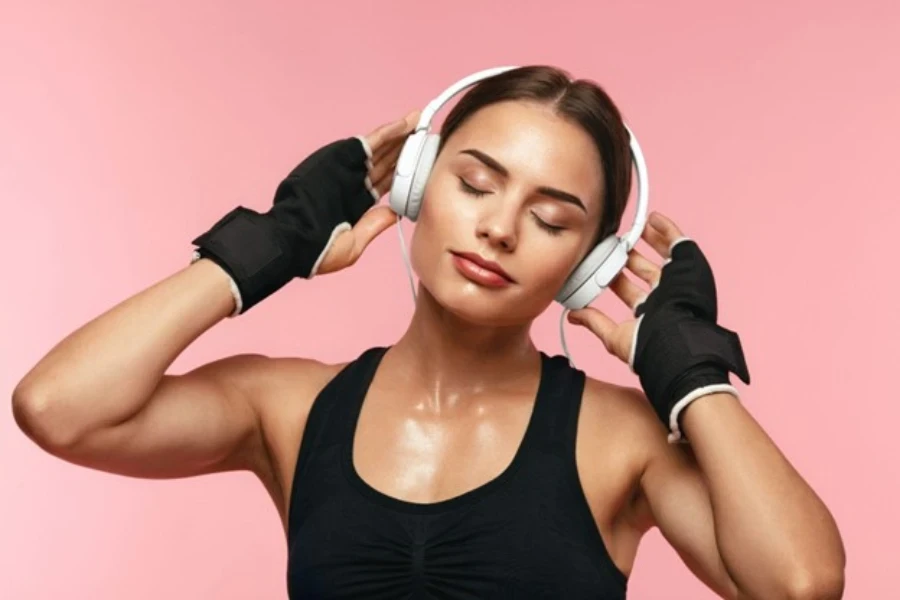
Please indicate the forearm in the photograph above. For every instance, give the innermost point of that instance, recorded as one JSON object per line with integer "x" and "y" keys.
{"x": 773, "y": 532}
{"x": 103, "y": 373}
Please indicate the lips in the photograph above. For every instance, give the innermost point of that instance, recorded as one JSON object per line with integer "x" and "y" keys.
{"x": 480, "y": 270}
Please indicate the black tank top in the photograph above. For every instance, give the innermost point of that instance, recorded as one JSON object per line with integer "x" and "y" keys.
{"x": 527, "y": 533}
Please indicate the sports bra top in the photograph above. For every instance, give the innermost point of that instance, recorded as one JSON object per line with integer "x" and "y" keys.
{"x": 527, "y": 533}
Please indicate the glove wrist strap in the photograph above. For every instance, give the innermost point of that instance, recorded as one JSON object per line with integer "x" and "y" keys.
{"x": 246, "y": 245}
{"x": 685, "y": 360}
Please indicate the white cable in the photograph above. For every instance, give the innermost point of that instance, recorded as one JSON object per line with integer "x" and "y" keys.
{"x": 412, "y": 283}
{"x": 562, "y": 336}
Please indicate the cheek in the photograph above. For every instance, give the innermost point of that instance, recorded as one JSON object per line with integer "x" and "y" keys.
{"x": 551, "y": 264}
{"x": 445, "y": 217}
{"x": 445, "y": 206}
{"x": 438, "y": 225}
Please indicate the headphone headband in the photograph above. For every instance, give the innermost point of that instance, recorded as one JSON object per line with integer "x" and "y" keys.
{"x": 435, "y": 105}
{"x": 631, "y": 238}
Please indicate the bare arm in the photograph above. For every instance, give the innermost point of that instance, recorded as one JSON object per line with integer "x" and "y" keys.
{"x": 101, "y": 397}
{"x": 732, "y": 505}
{"x": 738, "y": 513}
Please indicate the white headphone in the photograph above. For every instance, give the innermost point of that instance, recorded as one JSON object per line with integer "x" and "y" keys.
{"x": 596, "y": 270}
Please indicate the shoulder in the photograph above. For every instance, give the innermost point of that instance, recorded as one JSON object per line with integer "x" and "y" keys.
{"x": 278, "y": 390}
{"x": 618, "y": 423}
{"x": 628, "y": 412}
{"x": 262, "y": 379}
{"x": 622, "y": 410}
{"x": 280, "y": 386}
{"x": 281, "y": 392}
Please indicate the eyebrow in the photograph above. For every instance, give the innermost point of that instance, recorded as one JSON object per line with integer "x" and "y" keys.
{"x": 492, "y": 164}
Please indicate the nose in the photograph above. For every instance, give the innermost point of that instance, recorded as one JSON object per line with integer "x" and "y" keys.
{"x": 497, "y": 225}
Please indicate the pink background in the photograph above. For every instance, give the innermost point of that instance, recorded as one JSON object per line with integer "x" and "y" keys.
{"x": 771, "y": 135}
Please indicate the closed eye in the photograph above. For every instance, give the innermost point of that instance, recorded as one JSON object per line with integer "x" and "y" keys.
{"x": 468, "y": 189}
{"x": 551, "y": 229}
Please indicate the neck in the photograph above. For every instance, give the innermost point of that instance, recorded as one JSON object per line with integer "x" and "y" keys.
{"x": 450, "y": 357}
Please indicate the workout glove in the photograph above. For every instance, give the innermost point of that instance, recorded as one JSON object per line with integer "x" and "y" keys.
{"x": 323, "y": 196}
{"x": 679, "y": 351}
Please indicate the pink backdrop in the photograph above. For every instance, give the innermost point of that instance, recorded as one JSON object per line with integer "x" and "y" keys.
{"x": 771, "y": 135}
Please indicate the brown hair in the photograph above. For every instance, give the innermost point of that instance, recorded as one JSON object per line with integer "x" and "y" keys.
{"x": 581, "y": 101}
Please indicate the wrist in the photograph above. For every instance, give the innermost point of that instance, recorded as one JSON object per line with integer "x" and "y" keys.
{"x": 236, "y": 305}
{"x": 680, "y": 359}
{"x": 678, "y": 421}
{"x": 672, "y": 401}
{"x": 227, "y": 295}
{"x": 248, "y": 246}
{"x": 705, "y": 413}
{"x": 692, "y": 382}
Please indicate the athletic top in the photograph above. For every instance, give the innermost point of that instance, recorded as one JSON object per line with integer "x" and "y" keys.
{"x": 527, "y": 533}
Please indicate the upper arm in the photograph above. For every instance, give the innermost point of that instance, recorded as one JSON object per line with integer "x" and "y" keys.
{"x": 199, "y": 422}
{"x": 674, "y": 497}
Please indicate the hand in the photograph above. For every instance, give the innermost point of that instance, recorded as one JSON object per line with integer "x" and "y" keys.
{"x": 322, "y": 217}
{"x": 384, "y": 143}
{"x": 674, "y": 344}
{"x": 618, "y": 338}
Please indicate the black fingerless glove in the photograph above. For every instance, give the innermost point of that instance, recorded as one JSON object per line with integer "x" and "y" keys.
{"x": 323, "y": 196}
{"x": 680, "y": 353}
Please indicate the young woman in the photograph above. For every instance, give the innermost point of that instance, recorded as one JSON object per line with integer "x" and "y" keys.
{"x": 461, "y": 461}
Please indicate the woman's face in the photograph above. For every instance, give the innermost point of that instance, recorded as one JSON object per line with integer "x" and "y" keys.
{"x": 517, "y": 186}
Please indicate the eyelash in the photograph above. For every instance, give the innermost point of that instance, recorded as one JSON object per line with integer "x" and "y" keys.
{"x": 473, "y": 191}
{"x": 464, "y": 186}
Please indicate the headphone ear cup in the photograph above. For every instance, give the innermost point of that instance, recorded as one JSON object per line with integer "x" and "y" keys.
{"x": 420, "y": 177}
{"x": 404, "y": 171}
{"x": 592, "y": 275}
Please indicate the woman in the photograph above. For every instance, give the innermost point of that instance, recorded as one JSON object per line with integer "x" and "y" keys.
{"x": 460, "y": 462}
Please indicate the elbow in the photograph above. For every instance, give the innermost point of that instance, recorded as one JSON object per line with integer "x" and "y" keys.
{"x": 826, "y": 584}
{"x": 37, "y": 416}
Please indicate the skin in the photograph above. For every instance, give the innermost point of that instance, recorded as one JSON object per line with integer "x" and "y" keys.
{"x": 448, "y": 406}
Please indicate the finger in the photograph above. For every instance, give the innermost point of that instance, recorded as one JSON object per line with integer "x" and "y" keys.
{"x": 596, "y": 321}
{"x": 377, "y": 138}
{"x": 389, "y": 131}
{"x": 349, "y": 245}
{"x": 391, "y": 146}
{"x": 372, "y": 224}
{"x": 665, "y": 226}
{"x": 628, "y": 291}
{"x": 656, "y": 241}
{"x": 665, "y": 231}
{"x": 412, "y": 119}
{"x": 644, "y": 268}
{"x": 384, "y": 184}
{"x": 386, "y": 165}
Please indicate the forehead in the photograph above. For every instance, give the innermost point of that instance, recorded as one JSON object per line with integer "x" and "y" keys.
{"x": 537, "y": 146}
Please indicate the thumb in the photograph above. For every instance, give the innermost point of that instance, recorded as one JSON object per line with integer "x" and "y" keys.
{"x": 349, "y": 245}
{"x": 373, "y": 223}
{"x": 596, "y": 321}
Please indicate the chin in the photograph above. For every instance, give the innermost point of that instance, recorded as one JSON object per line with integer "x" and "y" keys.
{"x": 478, "y": 311}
